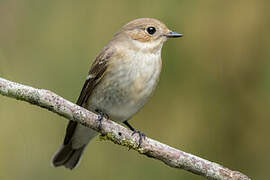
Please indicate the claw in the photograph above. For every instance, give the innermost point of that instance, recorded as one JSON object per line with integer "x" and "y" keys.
{"x": 141, "y": 136}
{"x": 100, "y": 118}
{"x": 101, "y": 115}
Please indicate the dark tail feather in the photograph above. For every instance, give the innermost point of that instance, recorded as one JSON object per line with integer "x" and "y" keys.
{"x": 67, "y": 156}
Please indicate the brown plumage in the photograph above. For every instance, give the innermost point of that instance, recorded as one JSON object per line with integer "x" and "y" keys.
{"x": 121, "y": 80}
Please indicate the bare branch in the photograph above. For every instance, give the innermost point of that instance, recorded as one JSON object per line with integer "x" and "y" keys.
{"x": 117, "y": 133}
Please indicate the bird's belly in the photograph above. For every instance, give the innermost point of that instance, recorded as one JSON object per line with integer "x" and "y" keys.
{"x": 122, "y": 93}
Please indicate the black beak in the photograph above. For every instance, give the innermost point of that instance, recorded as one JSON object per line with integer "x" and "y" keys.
{"x": 172, "y": 34}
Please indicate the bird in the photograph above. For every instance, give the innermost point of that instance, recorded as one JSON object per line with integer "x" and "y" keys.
{"x": 121, "y": 80}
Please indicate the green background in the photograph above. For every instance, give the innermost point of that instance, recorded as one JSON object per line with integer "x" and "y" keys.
{"x": 212, "y": 100}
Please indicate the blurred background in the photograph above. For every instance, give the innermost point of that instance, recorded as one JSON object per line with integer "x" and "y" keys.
{"x": 212, "y": 100}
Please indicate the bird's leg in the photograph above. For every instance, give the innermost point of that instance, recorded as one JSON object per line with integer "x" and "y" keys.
{"x": 129, "y": 126}
{"x": 141, "y": 134}
{"x": 101, "y": 115}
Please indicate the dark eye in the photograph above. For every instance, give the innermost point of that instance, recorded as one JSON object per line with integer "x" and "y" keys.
{"x": 151, "y": 30}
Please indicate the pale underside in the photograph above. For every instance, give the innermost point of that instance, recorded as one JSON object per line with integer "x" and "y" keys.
{"x": 126, "y": 86}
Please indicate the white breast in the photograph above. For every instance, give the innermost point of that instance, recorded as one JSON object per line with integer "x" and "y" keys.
{"x": 127, "y": 85}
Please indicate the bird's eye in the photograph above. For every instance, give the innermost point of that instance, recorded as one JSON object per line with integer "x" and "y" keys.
{"x": 151, "y": 30}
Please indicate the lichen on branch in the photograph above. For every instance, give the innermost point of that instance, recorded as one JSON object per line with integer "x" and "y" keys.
{"x": 118, "y": 134}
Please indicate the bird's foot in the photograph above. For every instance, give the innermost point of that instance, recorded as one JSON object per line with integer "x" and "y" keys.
{"x": 141, "y": 136}
{"x": 101, "y": 115}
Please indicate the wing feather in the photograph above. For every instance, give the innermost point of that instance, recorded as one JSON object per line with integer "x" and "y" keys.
{"x": 96, "y": 73}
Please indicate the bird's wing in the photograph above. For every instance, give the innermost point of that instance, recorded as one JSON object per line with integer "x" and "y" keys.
{"x": 96, "y": 73}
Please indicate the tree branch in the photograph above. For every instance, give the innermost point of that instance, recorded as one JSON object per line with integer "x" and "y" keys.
{"x": 117, "y": 133}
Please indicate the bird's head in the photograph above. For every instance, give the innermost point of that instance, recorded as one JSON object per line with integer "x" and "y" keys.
{"x": 147, "y": 33}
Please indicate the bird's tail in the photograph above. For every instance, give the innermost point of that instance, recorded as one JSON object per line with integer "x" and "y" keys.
{"x": 67, "y": 156}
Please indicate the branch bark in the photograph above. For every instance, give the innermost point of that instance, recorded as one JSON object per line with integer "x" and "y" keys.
{"x": 117, "y": 133}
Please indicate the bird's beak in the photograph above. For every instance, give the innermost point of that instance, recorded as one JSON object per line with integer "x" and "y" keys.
{"x": 172, "y": 34}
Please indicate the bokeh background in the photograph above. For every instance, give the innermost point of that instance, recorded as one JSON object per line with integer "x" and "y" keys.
{"x": 212, "y": 100}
